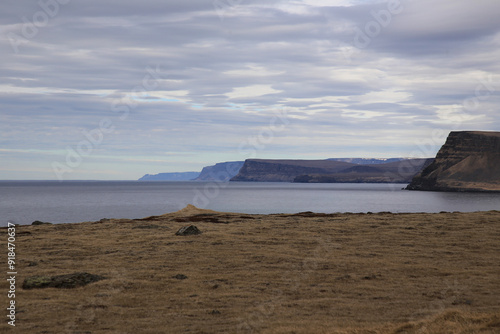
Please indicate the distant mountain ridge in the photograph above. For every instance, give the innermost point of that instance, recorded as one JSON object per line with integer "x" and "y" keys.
{"x": 330, "y": 171}
{"x": 333, "y": 170}
{"x": 220, "y": 172}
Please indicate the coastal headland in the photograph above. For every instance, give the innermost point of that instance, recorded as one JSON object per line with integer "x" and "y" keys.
{"x": 282, "y": 273}
{"x": 468, "y": 161}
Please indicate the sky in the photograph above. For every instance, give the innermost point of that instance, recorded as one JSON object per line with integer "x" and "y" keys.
{"x": 115, "y": 89}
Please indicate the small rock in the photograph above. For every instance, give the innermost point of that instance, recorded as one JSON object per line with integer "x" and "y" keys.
{"x": 37, "y": 222}
{"x": 32, "y": 264}
{"x": 188, "y": 230}
{"x": 180, "y": 276}
{"x": 69, "y": 281}
{"x": 215, "y": 312}
{"x": 369, "y": 277}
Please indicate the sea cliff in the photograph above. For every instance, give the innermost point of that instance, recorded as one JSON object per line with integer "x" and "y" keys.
{"x": 468, "y": 161}
{"x": 220, "y": 172}
{"x": 330, "y": 171}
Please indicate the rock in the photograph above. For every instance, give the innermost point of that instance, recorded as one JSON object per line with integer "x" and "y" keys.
{"x": 37, "y": 282}
{"x": 188, "y": 230}
{"x": 180, "y": 276}
{"x": 37, "y": 222}
{"x": 468, "y": 161}
{"x": 68, "y": 281}
{"x": 370, "y": 277}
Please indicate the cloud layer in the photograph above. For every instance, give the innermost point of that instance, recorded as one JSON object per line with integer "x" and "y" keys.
{"x": 118, "y": 89}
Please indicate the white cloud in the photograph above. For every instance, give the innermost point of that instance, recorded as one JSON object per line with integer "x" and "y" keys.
{"x": 10, "y": 89}
{"x": 455, "y": 114}
{"x": 365, "y": 114}
{"x": 252, "y": 91}
{"x": 253, "y": 70}
{"x": 385, "y": 96}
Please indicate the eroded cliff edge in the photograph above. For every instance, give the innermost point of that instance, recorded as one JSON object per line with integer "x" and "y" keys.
{"x": 468, "y": 161}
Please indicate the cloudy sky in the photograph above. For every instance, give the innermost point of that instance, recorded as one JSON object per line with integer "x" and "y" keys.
{"x": 116, "y": 89}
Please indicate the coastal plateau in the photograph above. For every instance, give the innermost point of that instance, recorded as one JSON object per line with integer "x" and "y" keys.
{"x": 468, "y": 161}
{"x": 330, "y": 171}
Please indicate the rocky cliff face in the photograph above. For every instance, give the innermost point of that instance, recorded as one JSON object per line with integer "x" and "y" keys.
{"x": 468, "y": 161}
{"x": 329, "y": 171}
{"x": 220, "y": 172}
{"x": 285, "y": 170}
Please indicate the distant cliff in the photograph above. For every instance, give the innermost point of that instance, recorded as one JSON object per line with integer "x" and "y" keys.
{"x": 367, "y": 161}
{"x": 183, "y": 176}
{"x": 468, "y": 161}
{"x": 329, "y": 171}
{"x": 220, "y": 172}
{"x": 284, "y": 170}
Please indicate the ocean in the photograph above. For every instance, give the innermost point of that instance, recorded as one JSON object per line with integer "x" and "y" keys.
{"x": 23, "y": 202}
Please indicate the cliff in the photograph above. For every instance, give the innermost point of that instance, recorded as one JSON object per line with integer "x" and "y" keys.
{"x": 394, "y": 172}
{"x": 329, "y": 171}
{"x": 285, "y": 170}
{"x": 220, "y": 172}
{"x": 468, "y": 161}
{"x": 367, "y": 161}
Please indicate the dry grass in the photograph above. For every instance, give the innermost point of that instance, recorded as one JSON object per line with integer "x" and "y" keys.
{"x": 306, "y": 273}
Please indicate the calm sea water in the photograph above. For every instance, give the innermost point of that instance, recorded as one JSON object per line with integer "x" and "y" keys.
{"x": 74, "y": 201}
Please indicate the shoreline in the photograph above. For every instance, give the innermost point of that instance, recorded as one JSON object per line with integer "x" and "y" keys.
{"x": 279, "y": 273}
{"x": 319, "y": 214}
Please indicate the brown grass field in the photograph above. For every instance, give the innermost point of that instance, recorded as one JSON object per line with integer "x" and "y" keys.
{"x": 303, "y": 273}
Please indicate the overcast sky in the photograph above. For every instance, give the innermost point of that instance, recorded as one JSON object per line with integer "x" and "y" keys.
{"x": 116, "y": 89}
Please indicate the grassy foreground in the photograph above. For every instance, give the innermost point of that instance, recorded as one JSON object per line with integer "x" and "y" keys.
{"x": 302, "y": 273}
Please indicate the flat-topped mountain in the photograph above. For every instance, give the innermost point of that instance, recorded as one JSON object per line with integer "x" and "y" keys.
{"x": 468, "y": 161}
{"x": 329, "y": 171}
{"x": 260, "y": 170}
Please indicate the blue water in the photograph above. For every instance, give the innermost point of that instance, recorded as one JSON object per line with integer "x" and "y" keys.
{"x": 74, "y": 201}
